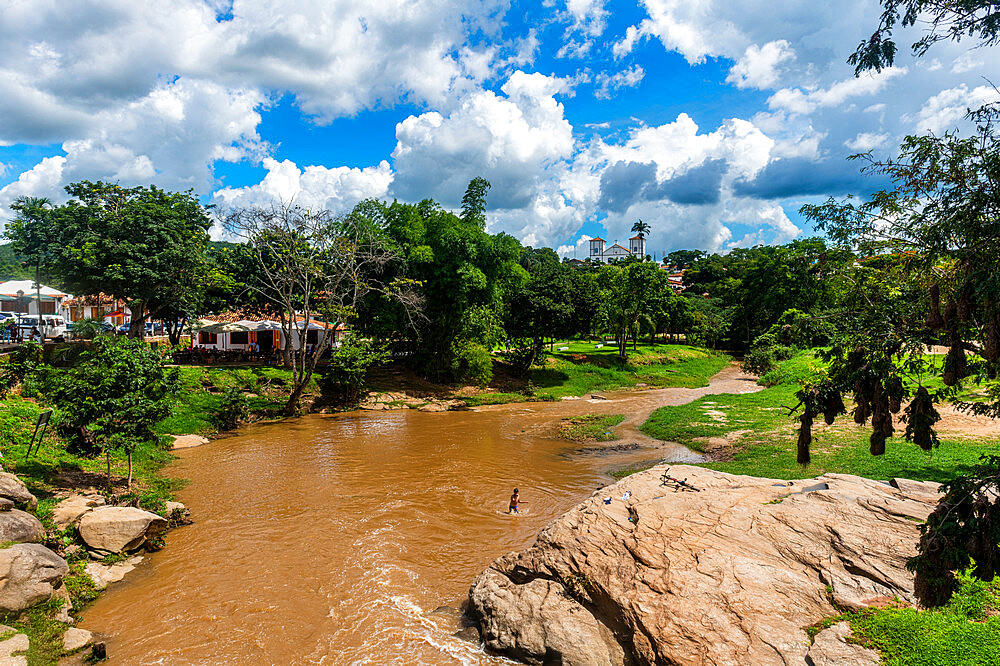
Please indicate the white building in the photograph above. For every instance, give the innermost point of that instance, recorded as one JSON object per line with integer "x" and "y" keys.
{"x": 21, "y": 296}
{"x": 636, "y": 248}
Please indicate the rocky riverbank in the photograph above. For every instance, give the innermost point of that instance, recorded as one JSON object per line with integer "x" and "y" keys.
{"x": 88, "y": 545}
{"x": 648, "y": 571}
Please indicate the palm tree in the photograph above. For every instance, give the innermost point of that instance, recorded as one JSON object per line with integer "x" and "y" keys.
{"x": 640, "y": 228}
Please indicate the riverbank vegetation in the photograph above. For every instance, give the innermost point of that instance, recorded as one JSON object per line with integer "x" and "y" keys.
{"x": 590, "y": 427}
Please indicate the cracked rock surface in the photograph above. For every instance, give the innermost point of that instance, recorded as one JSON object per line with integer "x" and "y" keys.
{"x": 731, "y": 574}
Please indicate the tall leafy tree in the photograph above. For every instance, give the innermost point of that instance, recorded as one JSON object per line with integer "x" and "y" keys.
{"x": 628, "y": 291}
{"x": 34, "y": 238}
{"x": 640, "y": 228}
{"x": 143, "y": 245}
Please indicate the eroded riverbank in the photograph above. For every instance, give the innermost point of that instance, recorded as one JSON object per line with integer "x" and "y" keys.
{"x": 331, "y": 539}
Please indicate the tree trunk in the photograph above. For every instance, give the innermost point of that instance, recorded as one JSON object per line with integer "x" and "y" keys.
{"x": 293, "y": 400}
{"x": 107, "y": 457}
{"x": 129, "y": 469}
{"x": 38, "y": 287}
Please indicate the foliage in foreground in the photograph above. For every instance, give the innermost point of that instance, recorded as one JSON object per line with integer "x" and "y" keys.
{"x": 963, "y": 632}
{"x": 590, "y": 427}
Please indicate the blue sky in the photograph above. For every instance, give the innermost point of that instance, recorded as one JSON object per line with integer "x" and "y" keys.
{"x": 712, "y": 121}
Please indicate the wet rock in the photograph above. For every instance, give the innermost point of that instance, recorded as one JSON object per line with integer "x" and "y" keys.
{"x": 447, "y": 611}
{"x": 105, "y": 574}
{"x": 29, "y": 575}
{"x": 117, "y": 529}
{"x": 176, "y": 511}
{"x": 20, "y": 527}
{"x": 75, "y": 638}
{"x": 830, "y": 648}
{"x": 727, "y": 575}
{"x": 14, "y": 489}
{"x": 433, "y": 407}
{"x": 16, "y": 643}
{"x": 469, "y": 634}
{"x": 70, "y": 510}
{"x": 99, "y": 651}
{"x": 187, "y": 441}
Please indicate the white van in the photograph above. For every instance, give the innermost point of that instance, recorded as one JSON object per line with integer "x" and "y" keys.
{"x": 55, "y": 326}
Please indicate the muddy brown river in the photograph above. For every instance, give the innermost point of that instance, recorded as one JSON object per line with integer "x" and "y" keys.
{"x": 332, "y": 539}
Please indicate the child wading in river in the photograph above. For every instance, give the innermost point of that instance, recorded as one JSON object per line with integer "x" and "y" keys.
{"x": 515, "y": 499}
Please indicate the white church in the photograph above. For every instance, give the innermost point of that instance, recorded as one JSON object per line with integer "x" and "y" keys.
{"x": 636, "y": 248}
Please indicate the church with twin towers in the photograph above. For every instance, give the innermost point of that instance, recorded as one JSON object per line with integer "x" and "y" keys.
{"x": 636, "y": 248}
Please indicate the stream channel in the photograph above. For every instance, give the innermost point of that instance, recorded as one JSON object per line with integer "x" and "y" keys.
{"x": 332, "y": 539}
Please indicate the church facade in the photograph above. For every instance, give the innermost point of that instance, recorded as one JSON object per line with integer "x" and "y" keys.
{"x": 636, "y": 248}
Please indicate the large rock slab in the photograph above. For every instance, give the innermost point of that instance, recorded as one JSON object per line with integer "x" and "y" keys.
{"x": 728, "y": 575}
{"x": 117, "y": 529}
{"x": 20, "y": 527}
{"x": 70, "y": 510}
{"x": 14, "y": 489}
{"x": 29, "y": 575}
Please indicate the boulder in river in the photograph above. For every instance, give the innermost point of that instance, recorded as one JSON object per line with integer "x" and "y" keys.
{"x": 14, "y": 489}
{"x": 29, "y": 575}
{"x": 117, "y": 529}
{"x": 728, "y": 574}
{"x": 70, "y": 510}
{"x": 20, "y": 527}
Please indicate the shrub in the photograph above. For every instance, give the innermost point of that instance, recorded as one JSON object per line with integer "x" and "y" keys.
{"x": 473, "y": 363}
{"x": 20, "y": 365}
{"x": 347, "y": 372}
{"x": 758, "y": 361}
{"x": 233, "y": 408}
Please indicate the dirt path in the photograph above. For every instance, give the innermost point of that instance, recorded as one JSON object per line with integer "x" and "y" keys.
{"x": 542, "y": 419}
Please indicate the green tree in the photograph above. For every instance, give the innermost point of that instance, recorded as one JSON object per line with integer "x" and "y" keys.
{"x": 116, "y": 393}
{"x": 628, "y": 291}
{"x": 143, "y": 245}
{"x": 640, "y": 228}
{"x": 945, "y": 20}
{"x": 540, "y": 309}
{"x": 465, "y": 275}
{"x": 683, "y": 258}
{"x": 35, "y": 239}
{"x": 935, "y": 237}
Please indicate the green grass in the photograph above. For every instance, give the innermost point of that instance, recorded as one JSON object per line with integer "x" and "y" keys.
{"x": 965, "y": 632}
{"x": 767, "y": 447}
{"x": 583, "y": 369}
{"x": 590, "y": 427}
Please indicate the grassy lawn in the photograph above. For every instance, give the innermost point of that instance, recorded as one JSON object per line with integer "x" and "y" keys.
{"x": 583, "y": 368}
{"x": 590, "y": 427}
{"x": 763, "y": 437}
{"x": 201, "y": 394}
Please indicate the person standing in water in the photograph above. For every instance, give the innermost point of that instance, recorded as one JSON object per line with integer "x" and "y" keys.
{"x": 515, "y": 499}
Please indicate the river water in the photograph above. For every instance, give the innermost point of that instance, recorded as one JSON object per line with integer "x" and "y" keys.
{"x": 332, "y": 539}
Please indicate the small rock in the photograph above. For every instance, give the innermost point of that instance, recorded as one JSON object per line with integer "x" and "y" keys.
{"x": 176, "y": 510}
{"x": 447, "y": 611}
{"x": 14, "y": 489}
{"x": 63, "y": 614}
{"x": 70, "y": 510}
{"x": 832, "y": 649}
{"x": 16, "y": 643}
{"x": 117, "y": 529}
{"x": 99, "y": 651}
{"x": 29, "y": 574}
{"x": 188, "y": 441}
{"x": 6, "y": 504}
{"x": 469, "y": 634}
{"x": 433, "y": 407}
{"x": 20, "y": 527}
{"x": 105, "y": 574}
{"x": 74, "y": 639}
